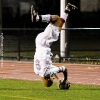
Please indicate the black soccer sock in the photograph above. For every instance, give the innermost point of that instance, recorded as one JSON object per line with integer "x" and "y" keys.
{"x": 65, "y": 73}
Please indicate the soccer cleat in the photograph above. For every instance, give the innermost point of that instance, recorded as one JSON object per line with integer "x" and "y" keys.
{"x": 63, "y": 84}
{"x": 33, "y": 14}
{"x": 70, "y": 7}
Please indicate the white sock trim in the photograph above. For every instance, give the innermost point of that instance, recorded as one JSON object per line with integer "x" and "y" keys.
{"x": 64, "y": 16}
{"x": 62, "y": 68}
{"x": 46, "y": 18}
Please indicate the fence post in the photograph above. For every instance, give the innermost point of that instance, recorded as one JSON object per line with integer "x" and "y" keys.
{"x": 18, "y": 46}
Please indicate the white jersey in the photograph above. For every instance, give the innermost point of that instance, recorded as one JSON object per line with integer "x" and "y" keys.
{"x": 42, "y": 57}
{"x": 45, "y": 39}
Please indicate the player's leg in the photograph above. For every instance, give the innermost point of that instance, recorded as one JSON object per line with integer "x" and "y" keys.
{"x": 60, "y": 21}
{"x": 43, "y": 18}
{"x": 54, "y": 19}
{"x": 35, "y": 17}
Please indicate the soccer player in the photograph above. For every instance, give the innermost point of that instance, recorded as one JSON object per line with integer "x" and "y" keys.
{"x": 42, "y": 58}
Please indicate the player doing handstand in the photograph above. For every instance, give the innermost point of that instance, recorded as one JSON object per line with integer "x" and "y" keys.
{"x": 42, "y": 58}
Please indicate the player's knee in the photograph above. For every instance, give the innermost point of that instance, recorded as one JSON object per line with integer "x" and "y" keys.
{"x": 54, "y": 18}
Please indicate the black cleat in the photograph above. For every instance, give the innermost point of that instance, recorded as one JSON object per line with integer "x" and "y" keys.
{"x": 70, "y": 7}
{"x": 33, "y": 14}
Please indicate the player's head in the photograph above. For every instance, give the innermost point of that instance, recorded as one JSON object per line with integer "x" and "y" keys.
{"x": 47, "y": 81}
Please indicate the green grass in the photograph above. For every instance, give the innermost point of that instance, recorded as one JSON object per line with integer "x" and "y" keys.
{"x": 29, "y": 90}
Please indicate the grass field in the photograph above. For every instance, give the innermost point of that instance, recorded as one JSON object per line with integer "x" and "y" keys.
{"x": 29, "y": 90}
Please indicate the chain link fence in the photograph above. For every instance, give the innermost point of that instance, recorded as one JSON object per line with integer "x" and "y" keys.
{"x": 19, "y": 44}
